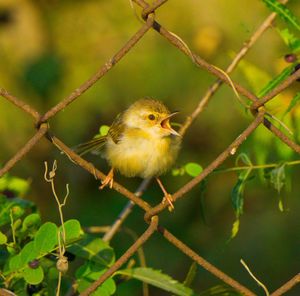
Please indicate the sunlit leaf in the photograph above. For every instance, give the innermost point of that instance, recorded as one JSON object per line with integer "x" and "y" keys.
{"x": 237, "y": 193}
{"x": 94, "y": 249}
{"x": 103, "y": 130}
{"x": 15, "y": 184}
{"x": 283, "y": 12}
{"x": 276, "y": 81}
{"x": 15, "y": 206}
{"x": 73, "y": 230}
{"x": 33, "y": 276}
{"x": 31, "y": 221}
{"x": 290, "y": 39}
{"x": 255, "y": 76}
{"x": 46, "y": 238}
{"x": 235, "y": 228}
{"x": 88, "y": 273}
{"x": 278, "y": 177}
{"x": 293, "y": 103}
{"x": 193, "y": 169}
{"x": 244, "y": 158}
{"x": 3, "y": 238}
{"x": 280, "y": 205}
{"x": 157, "y": 279}
{"x": 28, "y": 253}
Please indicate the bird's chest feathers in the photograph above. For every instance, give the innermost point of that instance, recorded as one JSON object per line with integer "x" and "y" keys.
{"x": 140, "y": 154}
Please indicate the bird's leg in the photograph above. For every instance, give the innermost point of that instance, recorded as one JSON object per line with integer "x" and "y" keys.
{"x": 168, "y": 196}
{"x": 109, "y": 180}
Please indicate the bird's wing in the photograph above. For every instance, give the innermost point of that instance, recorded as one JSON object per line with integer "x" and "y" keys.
{"x": 117, "y": 129}
{"x": 94, "y": 145}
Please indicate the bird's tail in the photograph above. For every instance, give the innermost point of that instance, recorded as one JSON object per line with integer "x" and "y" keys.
{"x": 95, "y": 145}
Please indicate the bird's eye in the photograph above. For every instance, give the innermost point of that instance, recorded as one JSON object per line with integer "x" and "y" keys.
{"x": 151, "y": 116}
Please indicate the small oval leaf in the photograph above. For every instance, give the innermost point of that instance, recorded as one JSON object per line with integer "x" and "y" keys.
{"x": 33, "y": 276}
{"x": 3, "y": 238}
{"x": 193, "y": 169}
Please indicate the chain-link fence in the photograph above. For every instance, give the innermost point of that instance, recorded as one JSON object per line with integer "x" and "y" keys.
{"x": 152, "y": 213}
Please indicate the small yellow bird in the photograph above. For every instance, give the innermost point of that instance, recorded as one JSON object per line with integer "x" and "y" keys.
{"x": 139, "y": 143}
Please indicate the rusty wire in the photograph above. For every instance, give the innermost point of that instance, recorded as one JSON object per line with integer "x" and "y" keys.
{"x": 151, "y": 213}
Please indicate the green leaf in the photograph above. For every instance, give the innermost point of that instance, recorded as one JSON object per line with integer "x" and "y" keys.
{"x": 73, "y": 230}
{"x": 15, "y": 184}
{"x": 277, "y": 177}
{"x": 157, "y": 279}
{"x": 94, "y": 249}
{"x": 33, "y": 276}
{"x": 191, "y": 274}
{"x": 16, "y": 206}
{"x": 237, "y": 193}
{"x": 220, "y": 290}
{"x": 235, "y": 228}
{"x": 31, "y": 221}
{"x": 290, "y": 39}
{"x": 256, "y": 77}
{"x": 46, "y": 238}
{"x": 276, "y": 81}
{"x": 103, "y": 130}
{"x": 88, "y": 273}
{"x": 280, "y": 205}
{"x": 3, "y": 238}
{"x": 28, "y": 253}
{"x": 193, "y": 169}
{"x": 283, "y": 12}
{"x": 293, "y": 103}
{"x": 244, "y": 158}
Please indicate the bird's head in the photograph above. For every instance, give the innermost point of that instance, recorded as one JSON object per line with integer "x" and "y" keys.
{"x": 150, "y": 115}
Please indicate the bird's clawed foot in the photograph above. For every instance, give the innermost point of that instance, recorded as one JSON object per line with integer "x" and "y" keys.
{"x": 168, "y": 197}
{"x": 109, "y": 180}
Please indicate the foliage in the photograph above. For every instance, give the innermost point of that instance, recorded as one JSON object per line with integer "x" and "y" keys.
{"x": 29, "y": 253}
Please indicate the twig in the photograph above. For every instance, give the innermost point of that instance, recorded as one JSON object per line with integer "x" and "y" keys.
{"x": 24, "y": 150}
{"x": 12, "y": 227}
{"x": 212, "y": 166}
{"x": 125, "y": 212}
{"x": 202, "y": 262}
{"x": 255, "y": 278}
{"x": 124, "y": 258}
{"x": 239, "y": 56}
{"x": 95, "y": 172}
{"x": 62, "y": 262}
{"x": 287, "y": 286}
{"x": 20, "y": 104}
{"x": 101, "y": 72}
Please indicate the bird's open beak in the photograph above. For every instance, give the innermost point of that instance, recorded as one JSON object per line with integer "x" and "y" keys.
{"x": 165, "y": 123}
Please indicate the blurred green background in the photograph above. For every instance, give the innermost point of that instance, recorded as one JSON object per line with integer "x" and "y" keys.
{"x": 49, "y": 48}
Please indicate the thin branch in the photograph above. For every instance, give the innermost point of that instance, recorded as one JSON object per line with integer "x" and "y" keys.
{"x": 101, "y": 72}
{"x": 255, "y": 278}
{"x": 212, "y": 166}
{"x": 124, "y": 258}
{"x": 125, "y": 212}
{"x": 287, "y": 286}
{"x": 152, "y": 7}
{"x": 256, "y": 167}
{"x": 202, "y": 262}
{"x": 239, "y": 56}
{"x": 62, "y": 262}
{"x": 277, "y": 90}
{"x": 95, "y": 172}
{"x": 25, "y": 149}
{"x": 19, "y": 103}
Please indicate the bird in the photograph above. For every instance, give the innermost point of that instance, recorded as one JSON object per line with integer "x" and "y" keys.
{"x": 139, "y": 143}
